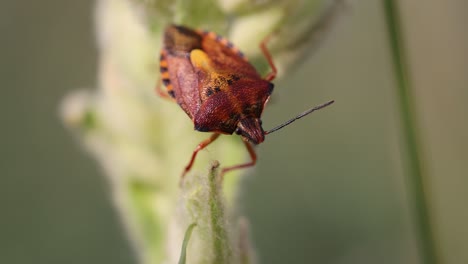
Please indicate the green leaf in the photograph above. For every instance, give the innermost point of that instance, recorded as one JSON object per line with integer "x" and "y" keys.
{"x": 183, "y": 252}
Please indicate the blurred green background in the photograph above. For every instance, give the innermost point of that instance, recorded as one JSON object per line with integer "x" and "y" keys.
{"x": 327, "y": 190}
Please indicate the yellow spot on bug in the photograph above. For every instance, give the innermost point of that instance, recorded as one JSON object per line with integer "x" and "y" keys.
{"x": 163, "y": 63}
{"x": 165, "y": 75}
{"x": 214, "y": 79}
{"x": 201, "y": 60}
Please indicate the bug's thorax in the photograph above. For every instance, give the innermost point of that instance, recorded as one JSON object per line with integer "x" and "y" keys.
{"x": 250, "y": 129}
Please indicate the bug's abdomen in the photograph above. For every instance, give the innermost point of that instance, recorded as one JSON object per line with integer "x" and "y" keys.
{"x": 165, "y": 76}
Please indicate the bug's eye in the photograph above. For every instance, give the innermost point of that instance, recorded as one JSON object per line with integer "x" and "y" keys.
{"x": 238, "y": 131}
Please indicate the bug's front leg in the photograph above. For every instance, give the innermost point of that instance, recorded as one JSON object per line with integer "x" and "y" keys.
{"x": 200, "y": 146}
{"x": 253, "y": 156}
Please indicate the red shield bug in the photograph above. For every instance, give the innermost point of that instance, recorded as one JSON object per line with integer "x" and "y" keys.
{"x": 217, "y": 87}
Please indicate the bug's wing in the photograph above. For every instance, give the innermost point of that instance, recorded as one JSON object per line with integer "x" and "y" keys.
{"x": 222, "y": 67}
{"x": 226, "y": 57}
{"x": 177, "y": 71}
{"x": 184, "y": 84}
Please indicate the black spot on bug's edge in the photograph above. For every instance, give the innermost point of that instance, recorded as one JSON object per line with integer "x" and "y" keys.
{"x": 163, "y": 69}
{"x": 166, "y": 82}
{"x": 218, "y": 38}
{"x": 271, "y": 86}
{"x": 171, "y": 93}
{"x": 202, "y": 128}
{"x": 230, "y": 45}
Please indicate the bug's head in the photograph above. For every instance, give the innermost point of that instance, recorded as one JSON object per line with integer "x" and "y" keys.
{"x": 251, "y": 130}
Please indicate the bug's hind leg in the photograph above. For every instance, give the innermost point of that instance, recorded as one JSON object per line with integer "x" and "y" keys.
{"x": 200, "y": 146}
{"x": 263, "y": 46}
{"x": 253, "y": 156}
{"x": 315, "y": 34}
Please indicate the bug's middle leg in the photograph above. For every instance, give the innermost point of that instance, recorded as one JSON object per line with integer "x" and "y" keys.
{"x": 200, "y": 146}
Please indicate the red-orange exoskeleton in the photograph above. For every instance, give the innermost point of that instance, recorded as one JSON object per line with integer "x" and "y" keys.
{"x": 217, "y": 87}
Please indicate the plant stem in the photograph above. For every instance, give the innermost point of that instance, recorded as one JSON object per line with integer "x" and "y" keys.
{"x": 417, "y": 178}
{"x": 220, "y": 237}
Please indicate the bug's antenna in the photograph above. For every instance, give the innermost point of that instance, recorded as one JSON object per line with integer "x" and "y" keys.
{"x": 299, "y": 116}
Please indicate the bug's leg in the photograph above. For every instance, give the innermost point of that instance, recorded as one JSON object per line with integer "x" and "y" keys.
{"x": 253, "y": 156}
{"x": 200, "y": 146}
{"x": 263, "y": 46}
